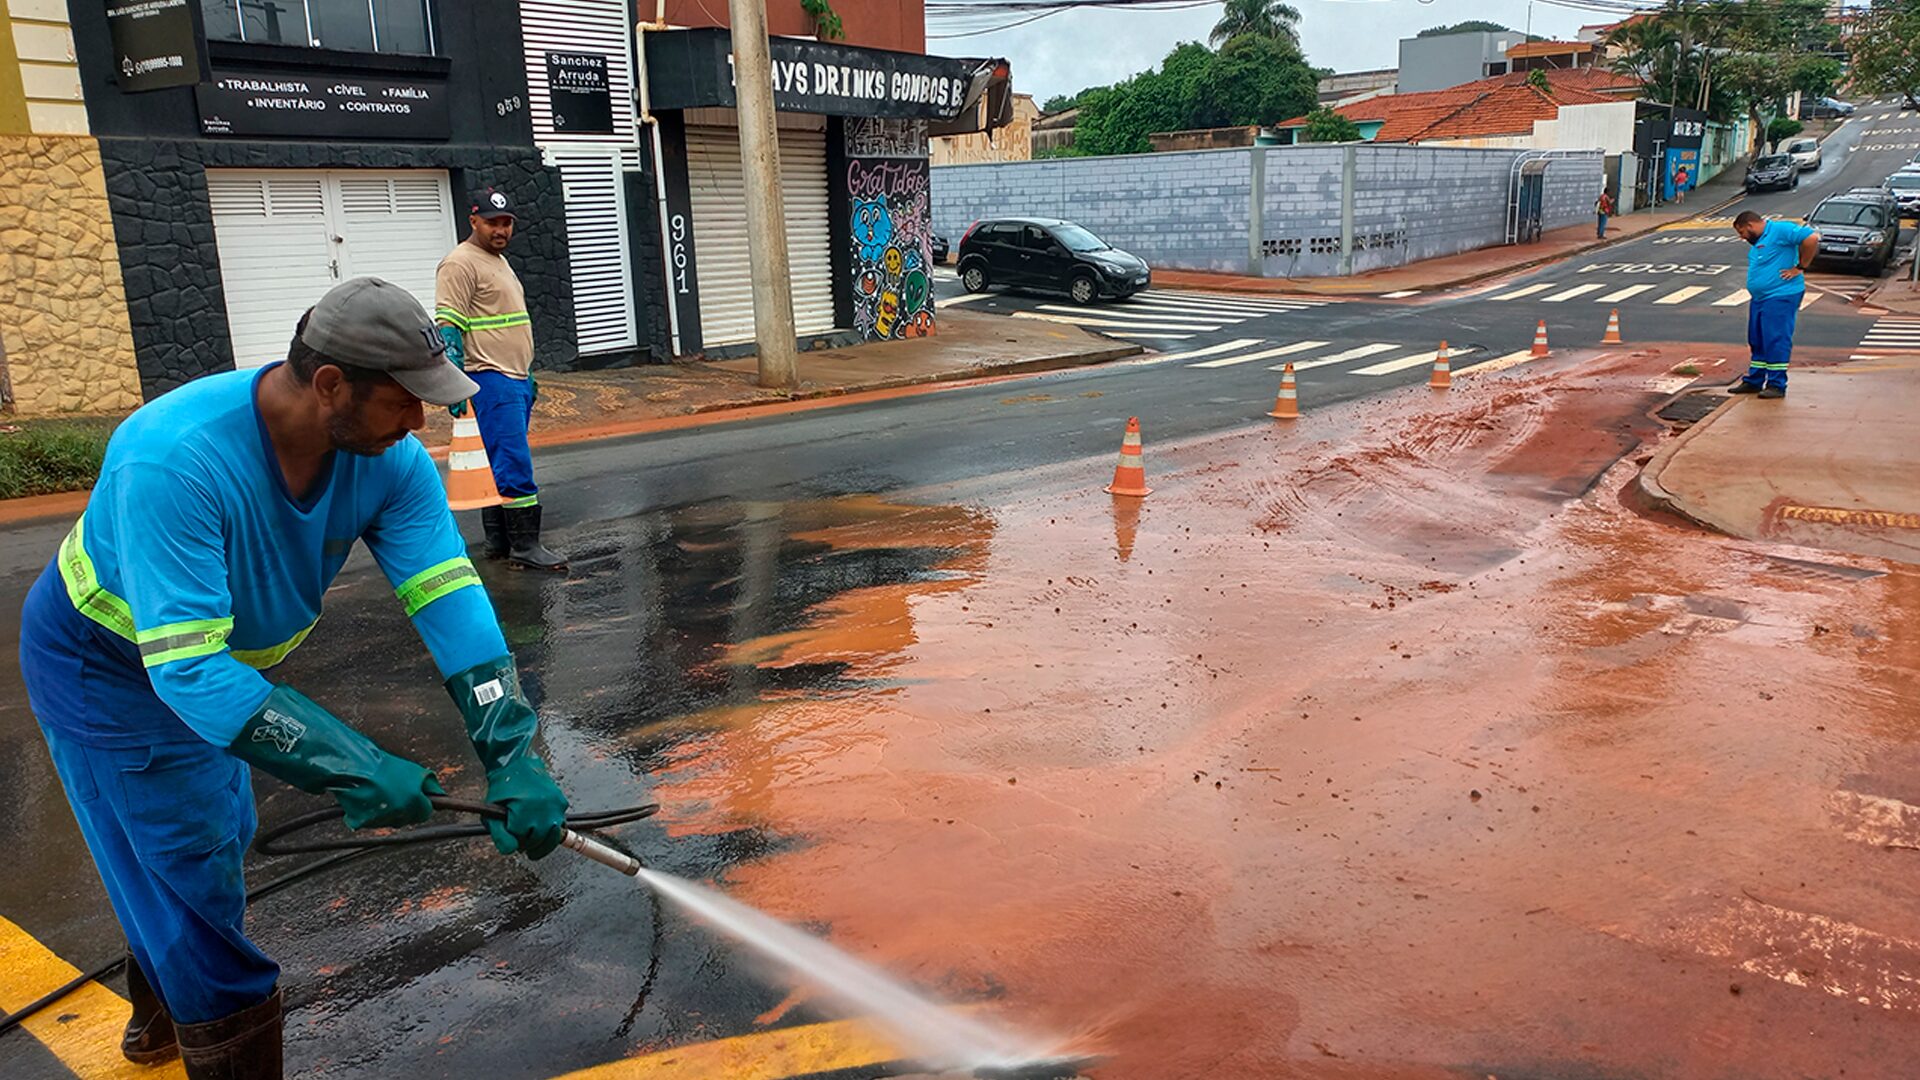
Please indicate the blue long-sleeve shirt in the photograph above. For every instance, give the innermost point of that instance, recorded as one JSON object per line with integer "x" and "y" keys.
{"x": 195, "y": 569}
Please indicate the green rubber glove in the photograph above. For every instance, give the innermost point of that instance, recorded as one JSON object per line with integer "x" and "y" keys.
{"x": 502, "y": 725}
{"x": 296, "y": 740}
{"x": 457, "y": 355}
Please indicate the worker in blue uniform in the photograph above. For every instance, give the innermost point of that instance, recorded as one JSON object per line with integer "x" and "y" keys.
{"x": 222, "y": 513}
{"x": 1781, "y": 252}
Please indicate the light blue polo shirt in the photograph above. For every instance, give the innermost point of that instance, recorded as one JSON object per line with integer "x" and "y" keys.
{"x": 1777, "y": 249}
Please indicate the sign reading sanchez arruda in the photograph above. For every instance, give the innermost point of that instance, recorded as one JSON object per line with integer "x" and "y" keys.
{"x": 691, "y": 69}
{"x": 322, "y": 105}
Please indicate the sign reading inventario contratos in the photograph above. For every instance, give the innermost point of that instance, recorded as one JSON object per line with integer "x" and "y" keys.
{"x": 322, "y": 106}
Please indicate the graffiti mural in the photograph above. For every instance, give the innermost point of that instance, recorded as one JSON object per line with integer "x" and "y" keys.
{"x": 888, "y": 192}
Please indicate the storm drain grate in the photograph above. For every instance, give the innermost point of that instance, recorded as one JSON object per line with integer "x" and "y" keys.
{"x": 1689, "y": 409}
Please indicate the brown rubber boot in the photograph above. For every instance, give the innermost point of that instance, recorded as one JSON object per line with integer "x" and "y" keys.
{"x": 243, "y": 1046}
{"x": 149, "y": 1039}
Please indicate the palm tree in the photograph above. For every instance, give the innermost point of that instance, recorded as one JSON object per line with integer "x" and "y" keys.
{"x": 1261, "y": 18}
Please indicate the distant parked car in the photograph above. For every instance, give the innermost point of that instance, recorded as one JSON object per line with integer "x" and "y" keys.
{"x": 1825, "y": 109}
{"x": 1805, "y": 153}
{"x": 1774, "y": 172}
{"x": 939, "y": 247}
{"x": 1858, "y": 231}
{"x": 1047, "y": 253}
{"x": 1906, "y": 188}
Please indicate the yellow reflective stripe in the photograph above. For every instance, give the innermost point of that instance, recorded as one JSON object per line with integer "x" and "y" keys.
{"x": 183, "y": 640}
{"x": 453, "y": 318}
{"x": 435, "y": 582}
{"x": 84, "y": 589}
{"x": 261, "y": 659}
{"x": 500, "y": 322}
{"x": 521, "y": 502}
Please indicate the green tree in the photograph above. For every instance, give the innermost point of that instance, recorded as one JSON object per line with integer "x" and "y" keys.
{"x": 1537, "y": 78}
{"x": 1260, "y": 18}
{"x": 1885, "y": 59}
{"x": 1254, "y": 80}
{"x": 1056, "y": 103}
{"x": 1782, "y": 128}
{"x": 1117, "y": 119}
{"x": 1471, "y": 26}
{"x": 1326, "y": 126}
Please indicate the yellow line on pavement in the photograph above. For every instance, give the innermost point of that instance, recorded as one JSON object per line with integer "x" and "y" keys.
{"x": 766, "y": 1055}
{"x": 1698, "y": 225}
{"x": 82, "y": 1029}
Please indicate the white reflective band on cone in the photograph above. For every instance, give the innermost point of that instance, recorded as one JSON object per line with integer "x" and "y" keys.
{"x": 467, "y": 459}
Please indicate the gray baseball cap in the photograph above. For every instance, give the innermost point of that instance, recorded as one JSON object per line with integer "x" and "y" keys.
{"x": 375, "y": 324}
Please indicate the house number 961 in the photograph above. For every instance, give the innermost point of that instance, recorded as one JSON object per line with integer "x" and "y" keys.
{"x": 678, "y": 225}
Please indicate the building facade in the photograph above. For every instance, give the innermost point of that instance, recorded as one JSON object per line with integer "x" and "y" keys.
{"x": 1443, "y": 60}
{"x": 1013, "y": 142}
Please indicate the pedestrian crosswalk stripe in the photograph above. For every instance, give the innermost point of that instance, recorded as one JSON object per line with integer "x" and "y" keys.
{"x": 1155, "y": 317}
{"x": 1263, "y": 354}
{"x": 967, "y": 299}
{"x": 1627, "y": 293}
{"x": 1400, "y": 295}
{"x": 1402, "y": 363}
{"x": 1807, "y": 300}
{"x": 1681, "y": 296}
{"x": 1733, "y": 299}
{"x": 1488, "y": 367}
{"x": 1526, "y": 291}
{"x": 1088, "y": 320}
{"x": 1227, "y": 308}
{"x": 1212, "y": 350}
{"x": 1355, "y": 353}
{"x": 1214, "y": 303}
{"x": 1148, "y": 337}
{"x": 1568, "y": 294}
{"x": 1269, "y": 299}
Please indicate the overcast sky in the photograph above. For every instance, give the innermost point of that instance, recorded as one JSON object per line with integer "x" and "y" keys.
{"x": 1064, "y": 53}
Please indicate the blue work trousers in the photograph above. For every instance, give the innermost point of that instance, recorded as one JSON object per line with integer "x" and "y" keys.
{"x": 167, "y": 824}
{"x": 1770, "y": 339}
{"x": 504, "y": 408}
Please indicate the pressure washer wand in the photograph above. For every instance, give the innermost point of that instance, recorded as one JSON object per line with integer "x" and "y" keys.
{"x": 599, "y": 852}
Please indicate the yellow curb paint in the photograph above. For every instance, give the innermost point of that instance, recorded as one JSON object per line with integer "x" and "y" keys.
{"x": 1833, "y": 515}
{"x": 82, "y": 1029}
{"x": 766, "y": 1055}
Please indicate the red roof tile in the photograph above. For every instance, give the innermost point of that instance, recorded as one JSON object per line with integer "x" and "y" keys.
{"x": 1488, "y": 107}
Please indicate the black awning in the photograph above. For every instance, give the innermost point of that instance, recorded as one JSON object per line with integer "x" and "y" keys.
{"x": 693, "y": 69}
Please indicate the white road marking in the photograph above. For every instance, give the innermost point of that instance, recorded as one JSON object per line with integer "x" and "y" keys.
{"x": 1155, "y": 317}
{"x": 1181, "y": 308}
{"x": 1083, "y": 320}
{"x": 1527, "y": 291}
{"x": 969, "y": 298}
{"x": 1733, "y": 299}
{"x": 1263, "y": 354}
{"x": 1807, "y": 301}
{"x": 1627, "y": 293}
{"x": 1401, "y": 295}
{"x": 1351, "y": 354}
{"x": 1513, "y": 359}
{"x": 1388, "y": 367}
{"x": 1568, "y": 294}
{"x": 1681, "y": 296}
{"x": 1215, "y": 303}
{"x": 1149, "y": 337}
{"x": 1211, "y": 350}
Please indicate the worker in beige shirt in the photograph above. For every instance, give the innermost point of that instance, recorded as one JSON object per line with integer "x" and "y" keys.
{"x": 482, "y": 315}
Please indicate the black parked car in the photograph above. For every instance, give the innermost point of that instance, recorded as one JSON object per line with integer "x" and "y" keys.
{"x": 939, "y": 247}
{"x": 1046, "y": 253}
{"x": 1859, "y": 231}
{"x": 1774, "y": 171}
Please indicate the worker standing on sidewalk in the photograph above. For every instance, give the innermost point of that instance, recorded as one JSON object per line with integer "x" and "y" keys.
{"x": 482, "y": 313}
{"x": 1777, "y": 264}
{"x": 222, "y": 513}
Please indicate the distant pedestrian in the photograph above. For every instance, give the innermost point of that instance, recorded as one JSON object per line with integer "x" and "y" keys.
{"x": 1603, "y": 209}
{"x": 1776, "y": 282}
{"x": 1681, "y": 181}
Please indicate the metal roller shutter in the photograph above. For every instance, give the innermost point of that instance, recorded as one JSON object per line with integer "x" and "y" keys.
{"x": 718, "y": 196}
{"x": 597, "y": 248}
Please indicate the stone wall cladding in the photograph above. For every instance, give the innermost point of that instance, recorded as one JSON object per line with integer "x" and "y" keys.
{"x": 63, "y": 311}
{"x": 176, "y": 306}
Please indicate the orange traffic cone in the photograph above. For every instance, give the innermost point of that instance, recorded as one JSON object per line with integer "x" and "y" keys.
{"x": 469, "y": 475}
{"x": 1540, "y": 340}
{"x": 1287, "y": 405}
{"x": 1613, "y": 329}
{"x": 1130, "y": 476}
{"x": 1442, "y": 376}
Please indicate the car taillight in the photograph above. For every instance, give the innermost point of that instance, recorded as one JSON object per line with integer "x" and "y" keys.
{"x": 965, "y": 235}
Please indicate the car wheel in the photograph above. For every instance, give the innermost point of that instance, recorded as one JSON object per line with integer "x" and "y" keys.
{"x": 974, "y": 278}
{"x": 1083, "y": 290}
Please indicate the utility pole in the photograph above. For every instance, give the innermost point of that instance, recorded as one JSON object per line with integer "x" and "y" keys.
{"x": 766, "y": 216}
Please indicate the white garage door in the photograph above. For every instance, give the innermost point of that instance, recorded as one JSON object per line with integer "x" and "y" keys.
{"x": 718, "y": 198}
{"x": 287, "y": 236}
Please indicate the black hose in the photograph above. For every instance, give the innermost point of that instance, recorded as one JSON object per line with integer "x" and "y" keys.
{"x": 349, "y": 848}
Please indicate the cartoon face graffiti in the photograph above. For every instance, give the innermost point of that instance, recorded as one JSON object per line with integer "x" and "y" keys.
{"x": 872, "y": 227}
{"x": 889, "y": 314}
{"x": 892, "y": 262}
{"x": 913, "y": 291}
{"x": 867, "y": 284}
{"x": 922, "y": 324}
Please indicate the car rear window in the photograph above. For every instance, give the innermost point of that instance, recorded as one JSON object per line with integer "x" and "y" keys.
{"x": 1772, "y": 161}
{"x": 1802, "y": 146}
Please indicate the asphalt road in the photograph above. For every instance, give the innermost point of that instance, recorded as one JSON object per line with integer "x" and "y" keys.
{"x": 687, "y": 544}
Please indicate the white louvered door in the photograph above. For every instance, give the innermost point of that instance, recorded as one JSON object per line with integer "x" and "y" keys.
{"x": 286, "y": 236}
{"x": 597, "y": 247}
{"x": 717, "y": 195}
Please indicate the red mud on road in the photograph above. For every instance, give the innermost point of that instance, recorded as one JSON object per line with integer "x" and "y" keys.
{"x": 1361, "y": 751}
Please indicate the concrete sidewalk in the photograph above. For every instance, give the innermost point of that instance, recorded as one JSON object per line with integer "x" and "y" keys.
{"x": 1834, "y": 465}
{"x": 1471, "y": 266}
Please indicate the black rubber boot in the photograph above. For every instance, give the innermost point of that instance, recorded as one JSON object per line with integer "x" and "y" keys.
{"x": 1772, "y": 392}
{"x": 243, "y": 1046}
{"x": 494, "y": 520}
{"x": 1744, "y": 387}
{"x": 523, "y": 534}
{"x": 149, "y": 1039}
